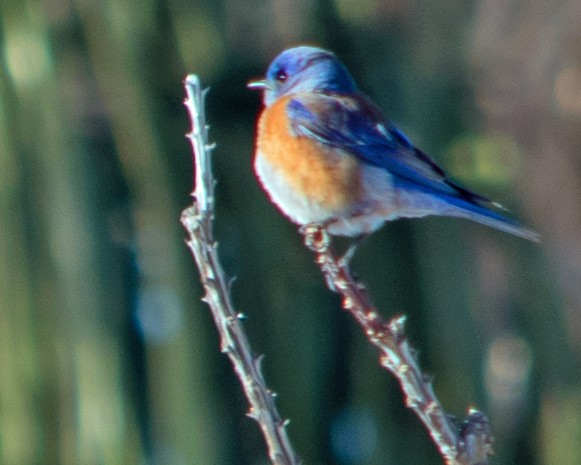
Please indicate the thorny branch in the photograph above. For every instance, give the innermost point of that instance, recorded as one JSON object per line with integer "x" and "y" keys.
{"x": 197, "y": 220}
{"x": 471, "y": 444}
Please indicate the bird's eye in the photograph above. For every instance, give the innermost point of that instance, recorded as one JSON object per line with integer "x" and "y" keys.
{"x": 281, "y": 76}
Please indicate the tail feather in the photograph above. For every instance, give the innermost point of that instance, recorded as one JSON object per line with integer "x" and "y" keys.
{"x": 487, "y": 216}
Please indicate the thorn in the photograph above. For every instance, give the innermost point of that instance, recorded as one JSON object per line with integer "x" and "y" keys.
{"x": 258, "y": 362}
{"x": 473, "y": 411}
{"x": 341, "y": 284}
{"x": 371, "y": 315}
{"x": 252, "y": 414}
{"x": 347, "y": 303}
{"x": 386, "y": 362}
{"x": 397, "y": 324}
{"x": 411, "y": 403}
{"x": 431, "y": 407}
{"x": 226, "y": 349}
{"x": 403, "y": 368}
{"x": 330, "y": 283}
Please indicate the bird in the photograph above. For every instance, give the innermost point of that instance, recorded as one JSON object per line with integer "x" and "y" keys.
{"x": 326, "y": 155}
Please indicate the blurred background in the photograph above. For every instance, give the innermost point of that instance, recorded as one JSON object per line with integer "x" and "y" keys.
{"x": 107, "y": 355}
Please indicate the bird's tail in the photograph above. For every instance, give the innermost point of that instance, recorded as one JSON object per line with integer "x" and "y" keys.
{"x": 455, "y": 200}
{"x": 488, "y": 215}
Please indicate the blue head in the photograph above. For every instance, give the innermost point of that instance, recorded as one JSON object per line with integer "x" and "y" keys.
{"x": 304, "y": 69}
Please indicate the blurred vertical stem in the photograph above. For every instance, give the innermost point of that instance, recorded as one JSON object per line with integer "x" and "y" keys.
{"x": 65, "y": 359}
{"x": 20, "y": 428}
{"x": 117, "y": 34}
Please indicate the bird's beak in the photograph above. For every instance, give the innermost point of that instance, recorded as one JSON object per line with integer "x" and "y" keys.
{"x": 257, "y": 85}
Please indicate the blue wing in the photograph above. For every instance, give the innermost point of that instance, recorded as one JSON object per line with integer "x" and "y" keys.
{"x": 354, "y": 124}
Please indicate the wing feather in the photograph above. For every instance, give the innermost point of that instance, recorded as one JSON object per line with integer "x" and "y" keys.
{"x": 356, "y": 125}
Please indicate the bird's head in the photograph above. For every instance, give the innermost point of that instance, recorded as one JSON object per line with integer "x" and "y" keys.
{"x": 304, "y": 69}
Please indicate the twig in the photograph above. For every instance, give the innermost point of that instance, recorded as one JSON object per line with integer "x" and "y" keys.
{"x": 197, "y": 221}
{"x": 471, "y": 444}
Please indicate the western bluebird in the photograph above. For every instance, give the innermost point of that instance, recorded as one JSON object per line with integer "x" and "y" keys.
{"x": 325, "y": 154}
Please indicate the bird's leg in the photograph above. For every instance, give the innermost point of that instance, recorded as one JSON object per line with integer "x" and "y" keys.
{"x": 311, "y": 241}
{"x": 345, "y": 259}
{"x": 348, "y": 255}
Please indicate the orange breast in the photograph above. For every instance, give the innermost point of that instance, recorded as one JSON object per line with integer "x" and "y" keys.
{"x": 325, "y": 175}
